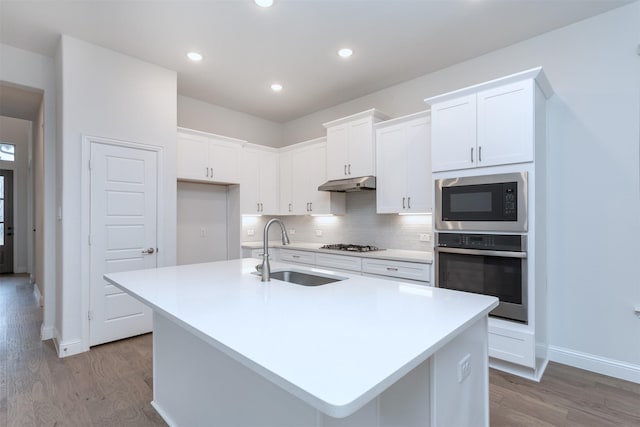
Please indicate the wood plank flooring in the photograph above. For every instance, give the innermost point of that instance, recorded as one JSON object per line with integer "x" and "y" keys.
{"x": 111, "y": 385}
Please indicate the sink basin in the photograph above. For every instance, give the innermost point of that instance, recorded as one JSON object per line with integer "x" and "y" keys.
{"x": 303, "y": 278}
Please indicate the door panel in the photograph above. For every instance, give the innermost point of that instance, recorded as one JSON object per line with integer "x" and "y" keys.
{"x": 123, "y": 205}
{"x": 6, "y": 221}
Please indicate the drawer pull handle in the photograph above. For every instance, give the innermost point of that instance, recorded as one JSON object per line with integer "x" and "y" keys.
{"x": 295, "y": 256}
{"x": 392, "y": 269}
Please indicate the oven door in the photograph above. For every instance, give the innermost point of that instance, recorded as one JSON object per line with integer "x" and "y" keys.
{"x": 502, "y": 274}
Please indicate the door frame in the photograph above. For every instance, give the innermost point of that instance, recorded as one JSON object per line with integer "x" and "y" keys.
{"x": 14, "y": 211}
{"x": 85, "y": 216}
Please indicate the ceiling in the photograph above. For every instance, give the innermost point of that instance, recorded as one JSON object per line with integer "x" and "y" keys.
{"x": 247, "y": 48}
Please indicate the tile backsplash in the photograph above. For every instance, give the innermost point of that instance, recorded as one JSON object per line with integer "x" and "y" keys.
{"x": 361, "y": 225}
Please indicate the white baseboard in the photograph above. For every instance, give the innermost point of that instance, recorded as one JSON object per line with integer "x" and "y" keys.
{"x": 68, "y": 347}
{"x": 46, "y": 332}
{"x": 37, "y": 295}
{"x": 590, "y": 362}
{"x": 20, "y": 270}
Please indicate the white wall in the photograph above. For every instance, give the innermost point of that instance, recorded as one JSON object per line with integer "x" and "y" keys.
{"x": 593, "y": 175}
{"x": 18, "y": 132}
{"x": 107, "y": 94}
{"x": 31, "y": 70}
{"x": 195, "y": 114}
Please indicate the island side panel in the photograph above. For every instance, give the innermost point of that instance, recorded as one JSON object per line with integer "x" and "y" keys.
{"x": 457, "y": 398}
{"x": 195, "y": 384}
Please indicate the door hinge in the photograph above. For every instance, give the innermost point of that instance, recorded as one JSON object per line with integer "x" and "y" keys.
{"x": 90, "y": 315}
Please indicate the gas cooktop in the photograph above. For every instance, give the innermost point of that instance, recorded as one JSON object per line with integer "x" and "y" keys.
{"x": 352, "y": 248}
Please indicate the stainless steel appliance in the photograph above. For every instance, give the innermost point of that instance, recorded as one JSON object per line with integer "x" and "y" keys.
{"x": 490, "y": 264}
{"x": 482, "y": 203}
{"x": 351, "y": 247}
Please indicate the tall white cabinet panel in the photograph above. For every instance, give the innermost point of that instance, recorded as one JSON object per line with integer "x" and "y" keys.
{"x": 259, "y": 186}
{"x": 404, "y": 166}
{"x": 486, "y": 125}
{"x": 207, "y": 158}
{"x": 351, "y": 145}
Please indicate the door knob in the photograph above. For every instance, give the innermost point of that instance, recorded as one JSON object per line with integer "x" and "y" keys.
{"x": 148, "y": 251}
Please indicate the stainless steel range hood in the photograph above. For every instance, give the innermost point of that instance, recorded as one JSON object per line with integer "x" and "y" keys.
{"x": 349, "y": 185}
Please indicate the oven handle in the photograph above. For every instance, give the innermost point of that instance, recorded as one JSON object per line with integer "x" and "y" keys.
{"x": 504, "y": 254}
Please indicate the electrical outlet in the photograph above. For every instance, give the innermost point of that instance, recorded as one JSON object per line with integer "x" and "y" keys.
{"x": 292, "y": 231}
{"x": 464, "y": 368}
{"x": 318, "y": 233}
{"x": 424, "y": 237}
{"x": 251, "y": 232}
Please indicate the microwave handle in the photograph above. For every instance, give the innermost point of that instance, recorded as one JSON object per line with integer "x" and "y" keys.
{"x": 503, "y": 254}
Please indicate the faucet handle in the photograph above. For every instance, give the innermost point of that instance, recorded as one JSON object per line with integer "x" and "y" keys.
{"x": 259, "y": 268}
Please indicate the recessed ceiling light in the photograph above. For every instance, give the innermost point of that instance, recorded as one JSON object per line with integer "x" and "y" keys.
{"x": 264, "y": 3}
{"x": 276, "y": 87}
{"x": 194, "y": 56}
{"x": 345, "y": 53}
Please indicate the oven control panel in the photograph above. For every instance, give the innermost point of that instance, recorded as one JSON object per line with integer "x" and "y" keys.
{"x": 494, "y": 242}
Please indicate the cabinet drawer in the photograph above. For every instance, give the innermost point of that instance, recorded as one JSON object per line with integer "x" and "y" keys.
{"x": 342, "y": 262}
{"x": 302, "y": 257}
{"x": 401, "y": 269}
{"x": 512, "y": 346}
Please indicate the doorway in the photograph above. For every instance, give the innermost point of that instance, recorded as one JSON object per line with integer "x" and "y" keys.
{"x": 6, "y": 221}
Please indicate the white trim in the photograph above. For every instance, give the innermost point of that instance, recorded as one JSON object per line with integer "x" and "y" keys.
{"x": 591, "y": 362}
{"x": 85, "y": 225}
{"x": 46, "y": 333}
{"x": 37, "y": 295}
{"x": 163, "y": 414}
{"x": 67, "y": 348}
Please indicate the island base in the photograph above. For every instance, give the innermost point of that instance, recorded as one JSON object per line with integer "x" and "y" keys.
{"x": 197, "y": 384}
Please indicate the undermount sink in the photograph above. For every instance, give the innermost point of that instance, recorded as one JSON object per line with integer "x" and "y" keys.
{"x": 303, "y": 278}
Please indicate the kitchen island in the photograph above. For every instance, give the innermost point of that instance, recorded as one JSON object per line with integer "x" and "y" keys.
{"x": 231, "y": 350}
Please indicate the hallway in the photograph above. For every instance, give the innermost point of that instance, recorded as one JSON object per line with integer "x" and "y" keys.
{"x": 108, "y": 386}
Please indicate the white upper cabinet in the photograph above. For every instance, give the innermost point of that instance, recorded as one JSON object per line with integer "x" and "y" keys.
{"x": 208, "y": 158}
{"x": 403, "y": 182}
{"x": 489, "y": 124}
{"x": 259, "y": 184}
{"x": 351, "y": 145}
{"x": 307, "y": 174}
{"x": 285, "y": 180}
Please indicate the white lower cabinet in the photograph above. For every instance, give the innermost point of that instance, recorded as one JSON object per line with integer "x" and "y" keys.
{"x": 300, "y": 257}
{"x": 397, "y": 269}
{"x": 341, "y": 262}
{"x": 513, "y": 346}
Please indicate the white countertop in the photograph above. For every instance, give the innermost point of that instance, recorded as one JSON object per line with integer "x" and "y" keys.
{"x": 335, "y": 346}
{"x": 423, "y": 257}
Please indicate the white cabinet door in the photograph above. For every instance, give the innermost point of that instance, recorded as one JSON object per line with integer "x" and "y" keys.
{"x": 192, "y": 154}
{"x": 454, "y": 134}
{"x": 285, "y": 177}
{"x": 336, "y": 155}
{"x": 302, "y": 160}
{"x": 268, "y": 183}
{"x": 403, "y": 167}
{"x": 258, "y": 187}
{"x": 505, "y": 124}
{"x": 319, "y": 201}
{"x": 360, "y": 148}
{"x": 224, "y": 160}
{"x": 419, "y": 182}
{"x": 391, "y": 181}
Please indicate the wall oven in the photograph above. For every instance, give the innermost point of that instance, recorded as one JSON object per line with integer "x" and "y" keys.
{"x": 490, "y": 264}
{"x": 482, "y": 203}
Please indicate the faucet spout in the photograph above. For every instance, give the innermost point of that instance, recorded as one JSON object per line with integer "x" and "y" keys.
{"x": 266, "y": 268}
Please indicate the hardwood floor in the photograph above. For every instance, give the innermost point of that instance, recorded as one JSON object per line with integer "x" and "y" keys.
{"x": 111, "y": 385}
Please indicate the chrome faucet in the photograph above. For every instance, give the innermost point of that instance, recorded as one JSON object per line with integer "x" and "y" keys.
{"x": 265, "y": 268}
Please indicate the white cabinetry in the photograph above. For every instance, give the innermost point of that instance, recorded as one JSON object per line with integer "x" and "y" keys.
{"x": 259, "y": 185}
{"x": 207, "y": 157}
{"x": 350, "y": 145}
{"x": 300, "y": 257}
{"x": 487, "y": 125}
{"x": 302, "y": 170}
{"x": 403, "y": 182}
{"x": 397, "y": 269}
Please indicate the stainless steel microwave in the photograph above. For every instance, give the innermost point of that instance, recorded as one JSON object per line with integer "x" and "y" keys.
{"x": 482, "y": 203}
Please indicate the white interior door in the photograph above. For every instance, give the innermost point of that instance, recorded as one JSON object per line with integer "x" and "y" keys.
{"x": 123, "y": 206}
